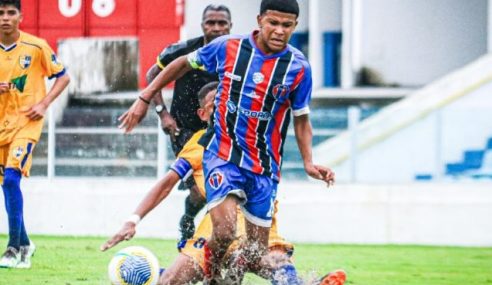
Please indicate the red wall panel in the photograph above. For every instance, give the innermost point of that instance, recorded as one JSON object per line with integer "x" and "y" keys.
{"x": 111, "y": 32}
{"x": 151, "y": 43}
{"x": 30, "y": 14}
{"x": 153, "y": 21}
{"x": 157, "y": 14}
{"x": 52, "y": 36}
{"x": 124, "y": 15}
{"x": 50, "y": 16}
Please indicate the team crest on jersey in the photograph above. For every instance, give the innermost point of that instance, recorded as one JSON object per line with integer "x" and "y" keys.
{"x": 215, "y": 179}
{"x": 25, "y": 61}
{"x": 18, "y": 152}
{"x": 258, "y": 77}
{"x": 280, "y": 90}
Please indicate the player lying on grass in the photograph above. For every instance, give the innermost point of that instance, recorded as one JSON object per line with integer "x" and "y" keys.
{"x": 189, "y": 264}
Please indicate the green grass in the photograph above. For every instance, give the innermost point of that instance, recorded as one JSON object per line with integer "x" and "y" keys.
{"x": 77, "y": 261}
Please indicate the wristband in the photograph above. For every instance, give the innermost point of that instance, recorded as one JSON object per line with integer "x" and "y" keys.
{"x": 134, "y": 219}
{"x": 145, "y": 100}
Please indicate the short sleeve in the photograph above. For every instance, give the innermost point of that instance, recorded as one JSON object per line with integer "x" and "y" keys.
{"x": 182, "y": 167}
{"x": 206, "y": 57}
{"x": 302, "y": 93}
{"x": 171, "y": 53}
{"x": 52, "y": 67}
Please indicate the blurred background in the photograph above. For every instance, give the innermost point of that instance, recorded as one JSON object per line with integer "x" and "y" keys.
{"x": 401, "y": 110}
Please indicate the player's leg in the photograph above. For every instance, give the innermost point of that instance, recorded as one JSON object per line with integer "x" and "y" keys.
{"x": 224, "y": 218}
{"x": 19, "y": 158}
{"x": 184, "y": 270}
{"x": 258, "y": 212}
{"x": 224, "y": 184}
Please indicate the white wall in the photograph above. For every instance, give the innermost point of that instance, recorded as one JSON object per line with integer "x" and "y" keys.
{"x": 243, "y": 15}
{"x": 427, "y": 145}
{"x": 412, "y": 42}
{"x": 432, "y": 214}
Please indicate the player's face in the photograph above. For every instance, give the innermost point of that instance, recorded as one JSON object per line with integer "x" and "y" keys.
{"x": 10, "y": 18}
{"x": 275, "y": 30}
{"x": 215, "y": 24}
{"x": 207, "y": 106}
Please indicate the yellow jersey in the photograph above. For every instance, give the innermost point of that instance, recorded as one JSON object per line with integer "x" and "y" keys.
{"x": 24, "y": 66}
{"x": 189, "y": 161}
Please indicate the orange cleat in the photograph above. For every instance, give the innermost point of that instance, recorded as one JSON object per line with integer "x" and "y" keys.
{"x": 336, "y": 277}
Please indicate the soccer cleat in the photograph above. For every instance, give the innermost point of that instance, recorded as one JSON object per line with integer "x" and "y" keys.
{"x": 336, "y": 277}
{"x": 26, "y": 252}
{"x": 10, "y": 258}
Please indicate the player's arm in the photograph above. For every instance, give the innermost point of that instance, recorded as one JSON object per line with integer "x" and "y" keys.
{"x": 37, "y": 111}
{"x": 168, "y": 123}
{"x": 137, "y": 111}
{"x": 154, "y": 197}
{"x": 304, "y": 137}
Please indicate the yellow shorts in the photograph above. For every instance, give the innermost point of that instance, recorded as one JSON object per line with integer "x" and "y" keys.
{"x": 17, "y": 155}
{"x": 194, "y": 246}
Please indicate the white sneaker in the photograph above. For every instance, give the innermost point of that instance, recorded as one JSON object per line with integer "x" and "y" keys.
{"x": 10, "y": 258}
{"x": 26, "y": 252}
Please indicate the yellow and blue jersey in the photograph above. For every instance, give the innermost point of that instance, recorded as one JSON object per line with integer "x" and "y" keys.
{"x": 189, "y": 161}
{"x": 24, "y": 66}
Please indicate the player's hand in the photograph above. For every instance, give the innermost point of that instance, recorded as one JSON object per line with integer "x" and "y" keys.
{"x": 133, "y": 116}
{"x": 126, "y": 233}
{"x": 37, "y": 111}
{"x": 321, "y": 173}
{"x": 169, "y": 125}
{"x": 4, "y": 87}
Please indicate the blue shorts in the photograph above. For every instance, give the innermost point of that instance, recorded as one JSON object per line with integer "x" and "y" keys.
{"x": 255, "y": 191}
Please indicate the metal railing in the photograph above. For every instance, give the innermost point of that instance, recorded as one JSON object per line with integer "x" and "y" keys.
{"x": 162, "y": 162}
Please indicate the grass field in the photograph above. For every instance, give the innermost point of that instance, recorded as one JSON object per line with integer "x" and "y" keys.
{"x": 77, "y": 261}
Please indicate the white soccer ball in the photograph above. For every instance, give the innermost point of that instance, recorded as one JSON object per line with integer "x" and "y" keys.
{"x": 134, "y": 265}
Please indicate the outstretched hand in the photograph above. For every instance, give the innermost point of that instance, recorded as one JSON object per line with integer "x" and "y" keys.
{"x": 131, "y": 118}
{"x": 321, "y": 173}
{"x": 126, "y": 233}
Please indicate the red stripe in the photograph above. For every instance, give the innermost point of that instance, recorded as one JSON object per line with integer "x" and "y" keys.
{"x": 225, "y": 141}
{"x": 276, "y": 136}
{"x": 279, "y": 117}
{"x": 261, "y": 89}
{"x": 297, "y": 80}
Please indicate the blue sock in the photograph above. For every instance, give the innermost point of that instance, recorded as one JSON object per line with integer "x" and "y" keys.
{"x": 14, "y": 205}
{"x": 286, "y": 275}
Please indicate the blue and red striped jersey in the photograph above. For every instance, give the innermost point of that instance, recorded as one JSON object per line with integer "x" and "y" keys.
{"x": 255, "y": 97}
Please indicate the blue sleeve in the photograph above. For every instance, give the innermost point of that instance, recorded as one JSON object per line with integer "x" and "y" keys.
{"x": 302, "y": 94}
{"x": 205, "y": 58}
{"x": 183, "y": 168}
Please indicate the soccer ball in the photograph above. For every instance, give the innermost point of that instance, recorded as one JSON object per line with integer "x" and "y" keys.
{"x": 134, "y": 265}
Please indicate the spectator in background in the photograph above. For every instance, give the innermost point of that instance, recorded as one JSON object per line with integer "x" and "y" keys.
{"x": 182, "y": 121}
{"x": 25, "y": 63}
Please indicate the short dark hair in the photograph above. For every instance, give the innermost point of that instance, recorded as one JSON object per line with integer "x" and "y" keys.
{"x": 16, "y": 3}
{"x": 217, "y": 8}
{"x": 286, "y": 6}
{"x": 205, "y": 90}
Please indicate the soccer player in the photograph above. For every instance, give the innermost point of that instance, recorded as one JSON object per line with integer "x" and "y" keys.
{"x": 25, "y": 62}
{"x": 262, "y": 79}
{"x": 190, "y": 263}
{"x": 182, "y": 121}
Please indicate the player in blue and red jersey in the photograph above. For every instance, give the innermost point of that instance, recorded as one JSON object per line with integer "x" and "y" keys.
{"x": 262, "y": 80}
